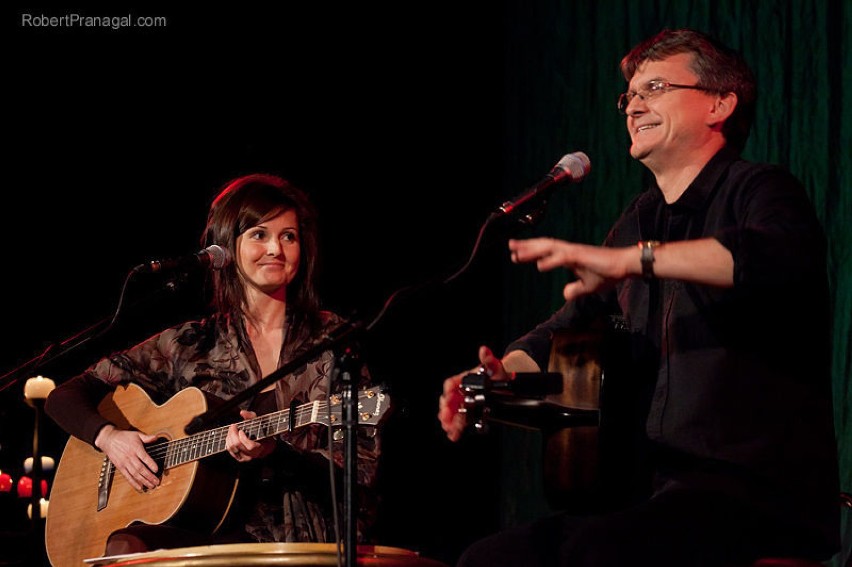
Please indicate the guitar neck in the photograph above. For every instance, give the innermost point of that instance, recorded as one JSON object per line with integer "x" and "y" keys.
{"x": 212, "y": 441}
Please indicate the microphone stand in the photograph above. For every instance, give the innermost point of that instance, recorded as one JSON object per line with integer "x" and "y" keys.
{"x": 53, "y": 351}
{"x": 97, "y": 330}
{"x": 349, "y": 364}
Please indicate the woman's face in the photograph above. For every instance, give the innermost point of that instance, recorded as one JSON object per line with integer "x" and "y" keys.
{"x": 268, "y": 254}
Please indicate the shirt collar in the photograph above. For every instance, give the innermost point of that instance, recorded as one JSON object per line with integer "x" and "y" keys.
{"x": 699, "y": 191}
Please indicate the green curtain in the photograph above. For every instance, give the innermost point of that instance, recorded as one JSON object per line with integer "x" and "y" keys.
{"x": 561, "y": 83}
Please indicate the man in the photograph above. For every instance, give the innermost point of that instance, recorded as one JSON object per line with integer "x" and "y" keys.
{"x": 718, "y": 272}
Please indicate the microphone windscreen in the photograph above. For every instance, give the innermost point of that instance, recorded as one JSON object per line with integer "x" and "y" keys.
{"x": 575, "y": 165}
{"x": 219, "y": 257}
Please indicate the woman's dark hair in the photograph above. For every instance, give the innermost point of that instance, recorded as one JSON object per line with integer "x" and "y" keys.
{"x": 719, "y": 69}
{"x": 245, "y": 202}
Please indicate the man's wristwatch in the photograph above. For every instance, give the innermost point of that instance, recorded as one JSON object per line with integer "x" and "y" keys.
{"x": 647, "y": 258}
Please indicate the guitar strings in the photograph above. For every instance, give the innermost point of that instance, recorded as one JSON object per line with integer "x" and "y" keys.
{"x": 215, "y": 438}
{"x": 217, "y": 435}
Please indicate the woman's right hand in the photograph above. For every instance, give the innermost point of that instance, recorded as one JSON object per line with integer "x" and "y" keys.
{"x": 453, "y": 422}
{"x": 126, "y": 450}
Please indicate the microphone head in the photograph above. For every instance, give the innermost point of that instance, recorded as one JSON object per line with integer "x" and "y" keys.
{"x": 219, "y": 257}
{"x": 576, "y": 166}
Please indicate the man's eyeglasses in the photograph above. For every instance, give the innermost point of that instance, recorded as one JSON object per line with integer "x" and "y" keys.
{"x": 651, "y": 90}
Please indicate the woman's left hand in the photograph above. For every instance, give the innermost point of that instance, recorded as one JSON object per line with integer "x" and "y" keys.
{"x": 243, "y": 448}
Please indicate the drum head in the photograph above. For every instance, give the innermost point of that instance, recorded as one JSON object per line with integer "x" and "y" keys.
{"x": 251, "y": 554}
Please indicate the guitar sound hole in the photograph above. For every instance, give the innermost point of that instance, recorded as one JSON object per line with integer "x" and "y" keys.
{"x": 158, "y": 453}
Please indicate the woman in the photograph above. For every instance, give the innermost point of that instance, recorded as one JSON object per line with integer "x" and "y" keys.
{"x": 266, "y": 311}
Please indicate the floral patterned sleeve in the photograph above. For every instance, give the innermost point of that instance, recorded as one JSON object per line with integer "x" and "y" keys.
{"x": 151, "y": 364}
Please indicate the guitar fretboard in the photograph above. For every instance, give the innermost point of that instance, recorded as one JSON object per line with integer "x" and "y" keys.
{"x": 372, "y": 405}
{"x": 212, "y": 441}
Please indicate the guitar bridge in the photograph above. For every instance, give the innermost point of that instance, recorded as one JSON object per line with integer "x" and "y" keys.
{"x": 104, "y": 482}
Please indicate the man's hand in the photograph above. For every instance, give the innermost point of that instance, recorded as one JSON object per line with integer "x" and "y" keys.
{"x": 596, "y": 267}
{"x": 452, "y": 400}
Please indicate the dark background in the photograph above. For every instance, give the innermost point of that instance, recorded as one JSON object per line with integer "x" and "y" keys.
{"x": 391, "y": 121}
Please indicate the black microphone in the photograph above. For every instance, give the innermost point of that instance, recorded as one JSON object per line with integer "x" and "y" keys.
{"x": 572, "y": 167}
{"x": 214, "y": 257}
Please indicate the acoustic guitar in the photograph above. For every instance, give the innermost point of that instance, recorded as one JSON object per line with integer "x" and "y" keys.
{"x": 591, "y": 424}
{"x": 88, "y": 500}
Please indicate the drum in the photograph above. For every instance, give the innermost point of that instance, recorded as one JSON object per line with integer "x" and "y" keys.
{"x": 251, "y": 554}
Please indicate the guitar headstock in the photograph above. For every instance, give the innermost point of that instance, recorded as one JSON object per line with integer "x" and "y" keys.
{"x": 373, "y": 403}
{"x": 488, "y": 399}
{"x": 474, "y": 386}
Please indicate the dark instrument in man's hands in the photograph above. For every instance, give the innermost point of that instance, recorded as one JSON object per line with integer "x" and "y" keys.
{"x": 586, "y": 407}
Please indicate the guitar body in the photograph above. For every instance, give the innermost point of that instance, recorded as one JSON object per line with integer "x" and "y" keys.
{"x": 572, "y": 455}
{"x": 590, "y": 468}
{"x": 196, "y": 493}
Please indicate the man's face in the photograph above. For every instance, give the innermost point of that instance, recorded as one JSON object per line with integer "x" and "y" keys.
{"x": 666, "y": 125}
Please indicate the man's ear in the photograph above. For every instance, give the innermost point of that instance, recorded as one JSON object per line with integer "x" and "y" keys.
{"x": 723, "y": 107}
